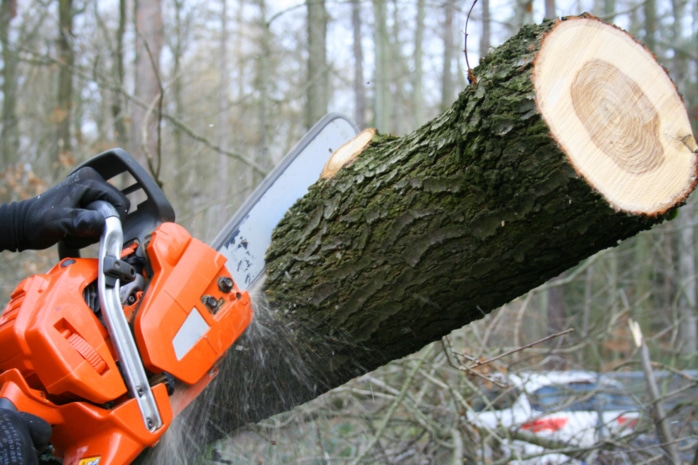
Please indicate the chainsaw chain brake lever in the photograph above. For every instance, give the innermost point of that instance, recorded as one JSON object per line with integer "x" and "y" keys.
{"x": 112, "y": 270}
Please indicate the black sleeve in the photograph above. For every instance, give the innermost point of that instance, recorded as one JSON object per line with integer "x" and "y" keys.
{"x": 10, "y": 214}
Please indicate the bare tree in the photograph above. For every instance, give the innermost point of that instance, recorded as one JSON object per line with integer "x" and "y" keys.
{"x": 418, "y": 57}
{"x": 117, "y": 106}
{"x": 358, "y": 53}
{"x": 64, "y": 98}
{"x": 485, "y": 38}
{"x": 382, "y": 107}
{"x": 145, "y": 137}
{"x": 317, "y": 94}
{"x": 449, "y": 54}
{"x": 10, "y": 130}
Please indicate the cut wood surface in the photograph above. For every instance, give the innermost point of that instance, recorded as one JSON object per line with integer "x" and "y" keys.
{"x": 572, "y": 139}
{"x": 347, "y": 153}
{"x": 616, "y": 115}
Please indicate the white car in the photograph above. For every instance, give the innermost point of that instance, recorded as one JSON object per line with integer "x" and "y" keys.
{"x": 574, "y": 409}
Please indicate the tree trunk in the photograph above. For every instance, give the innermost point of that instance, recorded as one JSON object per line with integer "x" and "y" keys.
{"x": 317, "y": 95}
{"x": 64, "y": 100}
{"x": 381, "y": 99}
{"x": 117, "y": 106}
{"x": 9, "y": 134}
{"x": 448, "y": 91}
{"x": 144, "y": 121}
{"x": 572, "y": 139}
{"x": 485, "y": 34}
{"x": 417, "y": 75}
{"x": 358, "y": 54}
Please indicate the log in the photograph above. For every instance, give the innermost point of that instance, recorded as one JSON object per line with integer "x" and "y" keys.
{"x": 571, "y": 139}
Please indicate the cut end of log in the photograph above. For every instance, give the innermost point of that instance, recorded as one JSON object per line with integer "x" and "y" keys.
{"x": 347, "y": 153}
{"x": 616, "y": 114}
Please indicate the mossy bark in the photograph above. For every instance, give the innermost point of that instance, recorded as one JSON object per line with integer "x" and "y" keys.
{"x": 418, "y": 236}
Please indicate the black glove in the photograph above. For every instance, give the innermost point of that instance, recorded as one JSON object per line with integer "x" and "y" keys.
{"x": 22, "y": 437}
{"x": 59, "y": 214}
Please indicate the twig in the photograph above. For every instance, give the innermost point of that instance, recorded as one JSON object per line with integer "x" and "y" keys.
{"x": 450, "y": 356}
{"x": 154, "y": 166}
{"x": 391, "y": 411}
{"x": 478, "y": 363}
{"x": 176, "y": 122}
{"x": 472, "y": 79}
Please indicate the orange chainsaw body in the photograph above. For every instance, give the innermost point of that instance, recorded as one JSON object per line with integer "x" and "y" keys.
{"x": 58, "y": 362}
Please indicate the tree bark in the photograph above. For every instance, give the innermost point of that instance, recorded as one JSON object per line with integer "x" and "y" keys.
{"x": 558, "y": 151}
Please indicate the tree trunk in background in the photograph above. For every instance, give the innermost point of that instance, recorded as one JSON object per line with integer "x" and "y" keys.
{"x": 358, "y": 52}
{"x": 262, "y": 84}
{"x": 144, "y": 121}
{"x": 523, "y": 13}
{"x": 688, "y": 323}
{"x": 486, "y": 30}
{"x": 609, "y": 9}
{"x": 557, "y": 316}
{"x": 64, "y": 100}
{"x": 447, "y": 85}
{"x": 640, "y": 298}
{"x": 184, "y": 175}
{"x": 650, "y": 10}
{"x": 562, "y": 148}
{"x": 381, "y": 99}
{"x": 9, "y": 137}
{"x": 117, "y": 107}
{"x": 317, "y": 95}
{"x": 418, "y": 73}
{"x": 549, "y": 9}
{"x": 219, "y": 215}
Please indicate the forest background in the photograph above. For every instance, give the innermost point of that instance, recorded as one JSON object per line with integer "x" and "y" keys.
{"x": 211, "y": 94}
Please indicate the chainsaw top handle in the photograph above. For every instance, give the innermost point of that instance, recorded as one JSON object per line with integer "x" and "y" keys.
{"x": 149, "y": 206}
{"x": 112, "y": 270}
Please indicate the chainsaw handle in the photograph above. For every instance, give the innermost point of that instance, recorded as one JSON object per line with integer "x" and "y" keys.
{"x": 112, "y": 270}
{"x": 105, "y": 208}
{"x": 149, "y": 206}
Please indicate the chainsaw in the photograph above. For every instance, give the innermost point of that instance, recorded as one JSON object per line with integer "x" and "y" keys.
{"x": 109, "y": 349}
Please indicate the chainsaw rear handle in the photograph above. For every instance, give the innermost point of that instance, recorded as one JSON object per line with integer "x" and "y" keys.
{"x": 149, "y": 206}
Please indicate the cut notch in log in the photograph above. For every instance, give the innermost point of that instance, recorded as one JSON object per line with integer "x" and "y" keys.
{"x": 616, "y": 114}
{"x": 347, "y": 153}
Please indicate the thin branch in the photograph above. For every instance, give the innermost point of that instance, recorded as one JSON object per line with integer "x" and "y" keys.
{"x": 475, "y": 363}
{"x": 391, "y": 411}
{"x": 176, "y": 122}
{"x": 154, "y": 167}
{"x": 478, "y": 363}
{"x": 472, "y": 79}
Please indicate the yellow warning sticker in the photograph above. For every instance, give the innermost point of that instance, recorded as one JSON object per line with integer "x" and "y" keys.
{"x": 90, "y": 461}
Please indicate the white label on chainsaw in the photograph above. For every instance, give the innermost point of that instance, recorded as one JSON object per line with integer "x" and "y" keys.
{"x": 191, "y": 331}
{"x": 245, "y": 240}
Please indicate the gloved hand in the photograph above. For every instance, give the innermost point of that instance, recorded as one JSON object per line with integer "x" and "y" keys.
{"x": 60, "y": 214}
{"x": 22, "y": 437}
